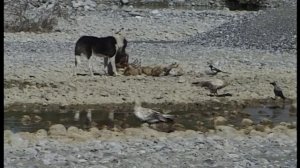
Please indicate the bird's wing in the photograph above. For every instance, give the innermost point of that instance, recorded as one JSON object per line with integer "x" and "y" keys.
{"x": 216, "y": 69}
{"x": 156, "y": 115}
{"x": 149, "y": 113}
{"x": 279, "y": 93}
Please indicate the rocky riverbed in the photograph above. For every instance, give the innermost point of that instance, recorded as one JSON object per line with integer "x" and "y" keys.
{"x": 256, "y": 47}
{"x": 144, "y": 147}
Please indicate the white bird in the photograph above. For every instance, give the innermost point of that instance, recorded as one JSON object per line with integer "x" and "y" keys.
{"x": 150, "y": 116}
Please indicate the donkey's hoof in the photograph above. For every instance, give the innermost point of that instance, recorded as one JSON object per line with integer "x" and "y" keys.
{"x": 117, "y": 74}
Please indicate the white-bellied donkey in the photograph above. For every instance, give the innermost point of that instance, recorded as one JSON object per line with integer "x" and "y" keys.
{"x": 108, "y": 47}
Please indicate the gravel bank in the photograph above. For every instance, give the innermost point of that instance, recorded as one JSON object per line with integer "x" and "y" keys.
{"x": 148, "y": 148}
{"x": 53, "y": 59}
{"x": 266, "y": 31}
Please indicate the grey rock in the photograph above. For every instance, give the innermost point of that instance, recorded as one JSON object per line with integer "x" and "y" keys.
{"x": 246, "y": 122}
{"x": 181, "y": 79}
{"x": 57, "y": 130}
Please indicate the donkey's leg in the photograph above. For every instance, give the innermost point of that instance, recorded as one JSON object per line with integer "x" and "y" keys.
{"x": 105, "y": 65}
{"x": 90, "y": 67}
{"x": 77, "y": 62}
{"x": 113, "y": 64}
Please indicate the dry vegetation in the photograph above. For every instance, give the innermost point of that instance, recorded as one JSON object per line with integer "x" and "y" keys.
{"x": 31, "y": 16}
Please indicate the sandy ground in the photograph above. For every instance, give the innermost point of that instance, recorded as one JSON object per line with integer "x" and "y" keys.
{"x": 39, "y": 67}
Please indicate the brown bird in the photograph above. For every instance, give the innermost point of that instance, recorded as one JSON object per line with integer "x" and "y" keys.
{"x": 212, "y": 85}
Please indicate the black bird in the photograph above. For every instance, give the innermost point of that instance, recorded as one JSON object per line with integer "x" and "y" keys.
{"x": 277, "y": 91}
{"x": 216, "y": 70}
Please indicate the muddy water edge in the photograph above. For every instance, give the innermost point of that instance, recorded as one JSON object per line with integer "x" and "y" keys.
{"x": 189, "y": 116}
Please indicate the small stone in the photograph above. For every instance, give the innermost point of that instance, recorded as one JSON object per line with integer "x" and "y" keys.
{"x": 41, "y": 133}
{"x": 246, "y": 122}
{"x": 37, "y": 118}
{"x": 155, "y": 11}
{"x": 284, "y": 124}
{"x": 256, "y": 133}
{"x": 226, "y": 130}
{"x": 292, "y": 125}
{"x": 104, "y": 94}
{"x": 176, "y": 71}
{"x": 220, "y": 121}
{"x": 73, "y": 130}
{"x": 95, "y": 132}
{"x": 266, "y": 121}
{"x": 268, "y": 130}
{"x": 25, "y": 120}
{"x": 17, "y": 141}
{"x": 57, "y": 130}
{"x": 181, "y": 79}
{"x": 260, "y": 127}
{"x": 246, "y": 131}
{"x": 280, "y": 128}
{"x": 145, "y": 125}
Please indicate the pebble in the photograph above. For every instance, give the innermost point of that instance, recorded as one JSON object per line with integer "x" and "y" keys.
{"x": 220, "y": 121}
{"x": 260, "y": 127}
{"x": 57, "y": 130}
{"x": 41, "y": 133}
{"x": 181, "y": 79}
{"x": 246, "y": 122}
{"x": 266, "y": 121}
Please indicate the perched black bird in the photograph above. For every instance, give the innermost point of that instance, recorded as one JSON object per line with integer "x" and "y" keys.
{"x": 216, "y": 70}
{"x": 277, "y": 91}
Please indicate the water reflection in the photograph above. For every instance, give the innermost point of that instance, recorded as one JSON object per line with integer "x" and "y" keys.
{"x": 191, "y": 116}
